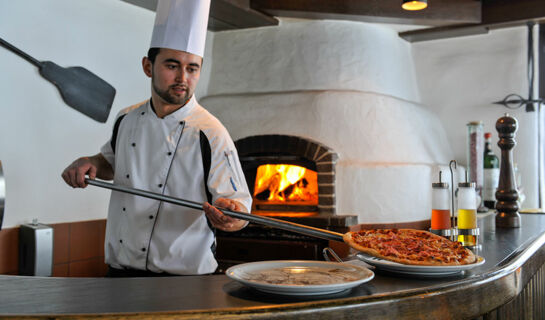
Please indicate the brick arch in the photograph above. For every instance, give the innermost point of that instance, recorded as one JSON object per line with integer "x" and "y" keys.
{"x": 322, "y": 156}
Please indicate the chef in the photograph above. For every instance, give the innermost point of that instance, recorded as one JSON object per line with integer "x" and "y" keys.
{"x": 170, "y": 145}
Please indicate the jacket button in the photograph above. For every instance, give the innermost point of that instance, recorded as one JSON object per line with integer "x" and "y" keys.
{"x": 143, "y": 113}
{"x": 160, "y": 185}
{"x": 133, "y": 144}
{"x": 124, "y": 209}
{"x": 169, "y": 153}
{"x": 151, "y": 217}
{"x": 120, "y": 240}
{"x": 143, "y": 249}
{"x": 128, "y": 176}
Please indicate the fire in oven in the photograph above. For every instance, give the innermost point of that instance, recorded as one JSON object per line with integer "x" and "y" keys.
{"x": 281, "y": 183}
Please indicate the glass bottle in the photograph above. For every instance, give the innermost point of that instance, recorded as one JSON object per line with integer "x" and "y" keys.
{"x": 474, "y": 152}
{"x": 467, "y": 213}
{"x": 475, "y": 148}
{"x": 491, "y": 173}
{"x": 440, "y": 206}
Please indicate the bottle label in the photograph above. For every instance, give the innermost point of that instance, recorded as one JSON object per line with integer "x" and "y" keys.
{"x": 491, "y": 180}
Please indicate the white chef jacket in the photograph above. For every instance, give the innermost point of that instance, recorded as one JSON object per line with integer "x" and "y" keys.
{"x": 164, "y": 156}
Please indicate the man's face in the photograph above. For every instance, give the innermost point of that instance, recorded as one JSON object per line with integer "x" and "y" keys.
{"x": 174, "y": 75}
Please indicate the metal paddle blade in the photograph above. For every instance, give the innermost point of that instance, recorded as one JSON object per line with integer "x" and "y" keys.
{"x": 81, "y": 89}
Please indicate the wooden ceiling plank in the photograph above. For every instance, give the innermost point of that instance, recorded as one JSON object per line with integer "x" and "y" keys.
{"x": 505, "y": 11}
{"x": 224, "y": 14}
{"x": 237, "y": 13}
{"x": 443, "y": 33}
{"x": 495, "y": 14}
{"x": 439, "y": 12}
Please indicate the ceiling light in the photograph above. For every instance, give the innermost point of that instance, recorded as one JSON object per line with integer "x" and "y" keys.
{"x": 414, "y": 4}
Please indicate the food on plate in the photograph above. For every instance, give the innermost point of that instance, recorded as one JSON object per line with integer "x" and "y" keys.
{"x": 410, "y": 246}
{"x": 302, "y": 276}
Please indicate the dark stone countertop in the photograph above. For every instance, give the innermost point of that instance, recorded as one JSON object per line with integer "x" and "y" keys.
{"x": 512, "y": 257}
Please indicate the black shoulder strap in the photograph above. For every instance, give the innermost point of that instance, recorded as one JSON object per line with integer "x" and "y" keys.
{"x": 206, "y": 153}
{"x": 116, "y": 129}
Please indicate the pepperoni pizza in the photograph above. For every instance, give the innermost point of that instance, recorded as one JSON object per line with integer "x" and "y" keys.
{"x": 410, "y": 246}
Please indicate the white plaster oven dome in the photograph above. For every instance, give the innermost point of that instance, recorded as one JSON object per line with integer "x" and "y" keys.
{"x": 349, "y": 86}
{"x": 313, "y": 55}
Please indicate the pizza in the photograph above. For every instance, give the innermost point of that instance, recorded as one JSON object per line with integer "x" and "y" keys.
{"x": 410, "y": 246}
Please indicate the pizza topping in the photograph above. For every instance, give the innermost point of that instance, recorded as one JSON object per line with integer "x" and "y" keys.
{"x": 390, "y": 251}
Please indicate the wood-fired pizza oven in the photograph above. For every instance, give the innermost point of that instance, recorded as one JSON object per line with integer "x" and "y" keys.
{"x": 317, "y": 160}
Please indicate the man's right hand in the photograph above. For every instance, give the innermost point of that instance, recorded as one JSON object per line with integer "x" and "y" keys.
{"x": 74, "y": 174}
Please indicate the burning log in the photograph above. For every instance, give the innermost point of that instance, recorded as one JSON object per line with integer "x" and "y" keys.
{"x": 283, "y": 183}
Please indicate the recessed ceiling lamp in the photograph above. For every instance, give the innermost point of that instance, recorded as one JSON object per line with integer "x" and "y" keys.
{"x": 414, "y": 5}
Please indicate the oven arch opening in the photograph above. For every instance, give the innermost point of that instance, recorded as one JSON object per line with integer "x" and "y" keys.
{"x": 255, "y": 151}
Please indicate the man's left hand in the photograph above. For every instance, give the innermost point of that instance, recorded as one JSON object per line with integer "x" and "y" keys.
{"x": 220, "y": 220}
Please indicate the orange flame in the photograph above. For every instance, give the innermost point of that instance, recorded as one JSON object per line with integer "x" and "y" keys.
{"x": 286, "y": 183}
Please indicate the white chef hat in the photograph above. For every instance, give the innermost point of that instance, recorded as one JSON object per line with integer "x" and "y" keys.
{"x": 181, "y": 25}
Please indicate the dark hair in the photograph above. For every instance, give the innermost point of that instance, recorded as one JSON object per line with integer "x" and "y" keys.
{"x": 152, "y": 53}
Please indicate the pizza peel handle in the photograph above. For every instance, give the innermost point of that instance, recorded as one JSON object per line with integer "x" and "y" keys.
{"x": 80, "y": 88}
{"x": 276, "y": 223}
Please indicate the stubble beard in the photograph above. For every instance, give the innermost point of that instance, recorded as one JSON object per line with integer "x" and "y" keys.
{"x": 170, "y": 98}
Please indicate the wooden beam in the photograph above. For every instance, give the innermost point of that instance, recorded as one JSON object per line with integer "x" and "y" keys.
{"x": 509, "y": 11}
{"x": 225, "y": 14}
{"x": 438, "y": 13}
{"x": 236, "y": 14}
{"x": 443, "y": 32}
{"x": 495, "y": 14}
{"x": 146, "y": 4}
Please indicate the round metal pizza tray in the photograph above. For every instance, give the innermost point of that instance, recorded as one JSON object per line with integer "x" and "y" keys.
{"x": 418, "y": 270}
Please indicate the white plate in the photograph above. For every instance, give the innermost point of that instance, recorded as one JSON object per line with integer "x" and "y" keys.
{"x": 300, "y": 277}
{"x": 426, "y": 271}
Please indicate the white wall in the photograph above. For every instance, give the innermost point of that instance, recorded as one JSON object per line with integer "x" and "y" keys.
{"x": 40, "y": 134}
{"x": 459, "y": 78}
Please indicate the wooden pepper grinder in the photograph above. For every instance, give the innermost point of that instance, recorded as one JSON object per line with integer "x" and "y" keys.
{"x": 507, "y": 207}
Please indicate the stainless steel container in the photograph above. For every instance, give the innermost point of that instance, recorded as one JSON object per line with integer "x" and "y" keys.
{"x": 35, "y": 250}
